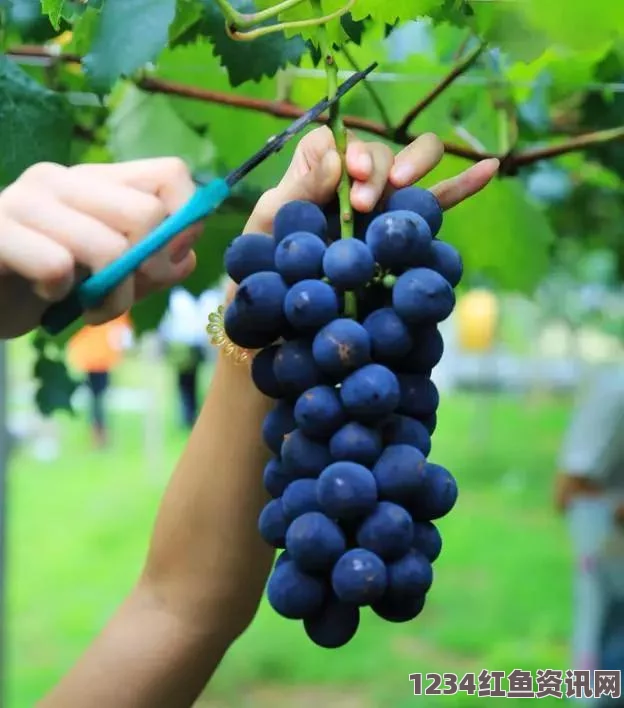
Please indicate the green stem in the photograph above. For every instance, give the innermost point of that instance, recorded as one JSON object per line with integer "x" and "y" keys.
{"x": 383, "y": 113}
{"x": 284, "y": 26}
{"x": 339, "y": 131}
{"x": 244, "y": 20}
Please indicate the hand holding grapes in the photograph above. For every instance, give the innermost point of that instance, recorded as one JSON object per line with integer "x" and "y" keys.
{"x": 314, "y": 174}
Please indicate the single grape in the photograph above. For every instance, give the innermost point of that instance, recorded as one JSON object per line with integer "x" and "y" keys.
{"x": 422, "y": 296}
{"x": 419, "y": 395}
{"x": 303, "y": 457}
{"x": 390, "y": 337}
{"x": 427, "y": 540}
{"x": 400, "y": 473}
{"x": 438, "y": 494}
{"x": 356, "y": 443}
{"x": 359, "y": 577}
{"x": 277, "y": 423}
{"x": 404, "y": 430}
{"x": 420, "y": 201}
{"x": 300, "y": 256}
{"x": 399, "y": 609}
{"x": 262, "y": 372}
{"x": 445, "y": 260}
{"x": 334, "y": 625}
{"x": 249, "y": 254}
{"x": 298, "y": 498}
{"x": 370, "y": 393}
{"x": 341, "y": 346}
{"x": 260, "y": 300}
{"x": 272, "y": 524}
{"x": 349, "y": 264}
{"x": 399, "y": 240}
{"x": 426, "y": 353}
{"x": 243, "y": 333}
{"x": 388, "y": 531}
{"x": 346, "y": 490}
{"x": 275, "y": 478}
{"x": 295, "y": 369}
{"x": 410, "y": 575}
{"x": 294, "y": 594}
{"x": 310, "y": 304}
{"x": 315, "y": 542}
{"x": 299, "y": 216}
{"x": 319, "y": 412}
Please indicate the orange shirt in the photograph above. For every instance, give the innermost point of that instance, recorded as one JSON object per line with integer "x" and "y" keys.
{"x": 98, "y": 348}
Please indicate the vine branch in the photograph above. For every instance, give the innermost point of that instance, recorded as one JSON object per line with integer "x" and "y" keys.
{"x": 288, "y": 111}
{"x": 319, "y": 21}
{"x": 459, "y": 69}
{"x": 242, "y": 20}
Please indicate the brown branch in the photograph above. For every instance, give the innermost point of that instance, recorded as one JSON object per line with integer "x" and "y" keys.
{"x": 280, "y": 109}
{"x": 459, "y": 69}
{"x": 599, "y": 137}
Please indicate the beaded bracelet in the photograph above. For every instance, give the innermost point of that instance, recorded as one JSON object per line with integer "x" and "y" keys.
{"x": 218, "y": 337}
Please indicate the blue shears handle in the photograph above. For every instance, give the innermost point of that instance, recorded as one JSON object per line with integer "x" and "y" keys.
{"x": 94, "y": 289}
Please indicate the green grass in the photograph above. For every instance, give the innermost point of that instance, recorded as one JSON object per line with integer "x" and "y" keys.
{"x": 500, "y": 600}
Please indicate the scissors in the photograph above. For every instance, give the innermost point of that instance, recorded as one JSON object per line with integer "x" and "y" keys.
{"x": 207, "y": 198}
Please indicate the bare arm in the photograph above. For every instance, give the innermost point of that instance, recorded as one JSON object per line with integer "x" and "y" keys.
{"x": 207, "y": 564}
{"x": 205, "y": 571}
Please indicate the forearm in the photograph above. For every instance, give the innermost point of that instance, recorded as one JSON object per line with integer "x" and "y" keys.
{"x": 207, "y": 558}
{"x": 205, "y": 571}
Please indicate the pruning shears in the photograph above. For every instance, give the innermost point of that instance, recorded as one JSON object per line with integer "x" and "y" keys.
{"x": 208, "y": 197}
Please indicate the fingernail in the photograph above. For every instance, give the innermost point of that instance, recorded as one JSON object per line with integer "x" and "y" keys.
{"x": 365, "y": 193}
{"x": 179, "y": 255}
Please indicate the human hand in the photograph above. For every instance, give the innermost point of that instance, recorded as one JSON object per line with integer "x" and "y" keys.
{"x": 314, "y": 174}
{"x": 58, "y": 223}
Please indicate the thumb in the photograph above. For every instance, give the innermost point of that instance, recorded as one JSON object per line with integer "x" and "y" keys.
{"x": 317, "y": 185}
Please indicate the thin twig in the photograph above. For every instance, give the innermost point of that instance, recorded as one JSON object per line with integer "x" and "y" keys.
{"x": 599, "y": 137}
{"x": 455, "y": 73}
{"x": 372, "y": 92}
{"x": 243, "y": 20}
{"x": 250, "y": 35}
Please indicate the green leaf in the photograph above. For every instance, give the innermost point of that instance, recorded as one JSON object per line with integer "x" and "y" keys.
{"x": 245, "y": 61}
{"x": 130, "y": 34}
{"x": 53, "y": 9}
{"x": 188, "y": 13}
{"x": 499, "y": 233}
{"x": 389, "y": 11}
{"x": 56, "y": 386}
{"x": 146, "y": 125}
{"x": 35, "y": 121}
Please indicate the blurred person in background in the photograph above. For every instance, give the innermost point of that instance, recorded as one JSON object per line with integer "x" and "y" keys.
{"x": 95, "y": 351}
{"x": 589, "y": 489}
{"x": 183, "y": 331}
{"x": 207, "y": 565}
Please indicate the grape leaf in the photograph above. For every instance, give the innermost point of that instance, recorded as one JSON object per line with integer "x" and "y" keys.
{"x": 56, "y": 386}
{"x": 35, "y": 123}
{"x": 188, "y": 13}
{"x": 53, "y": 9}
{"x": 245, "y": 61}
{"x": 145, "y": 125}
{"x": 389, "y": 11}
{"x": 130, "y": 34}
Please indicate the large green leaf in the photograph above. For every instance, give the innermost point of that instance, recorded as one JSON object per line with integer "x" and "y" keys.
{"x": 130, "y": 34}
{"x": 35, "y": 123}
{"x": 146, "y": 125}
{"x": 388, "y": 11}
{"x": 499, "y": 232}
{"x": 254, "y": 60}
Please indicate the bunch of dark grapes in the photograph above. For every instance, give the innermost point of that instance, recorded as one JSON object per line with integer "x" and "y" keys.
{"x": 348, "y": 337}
